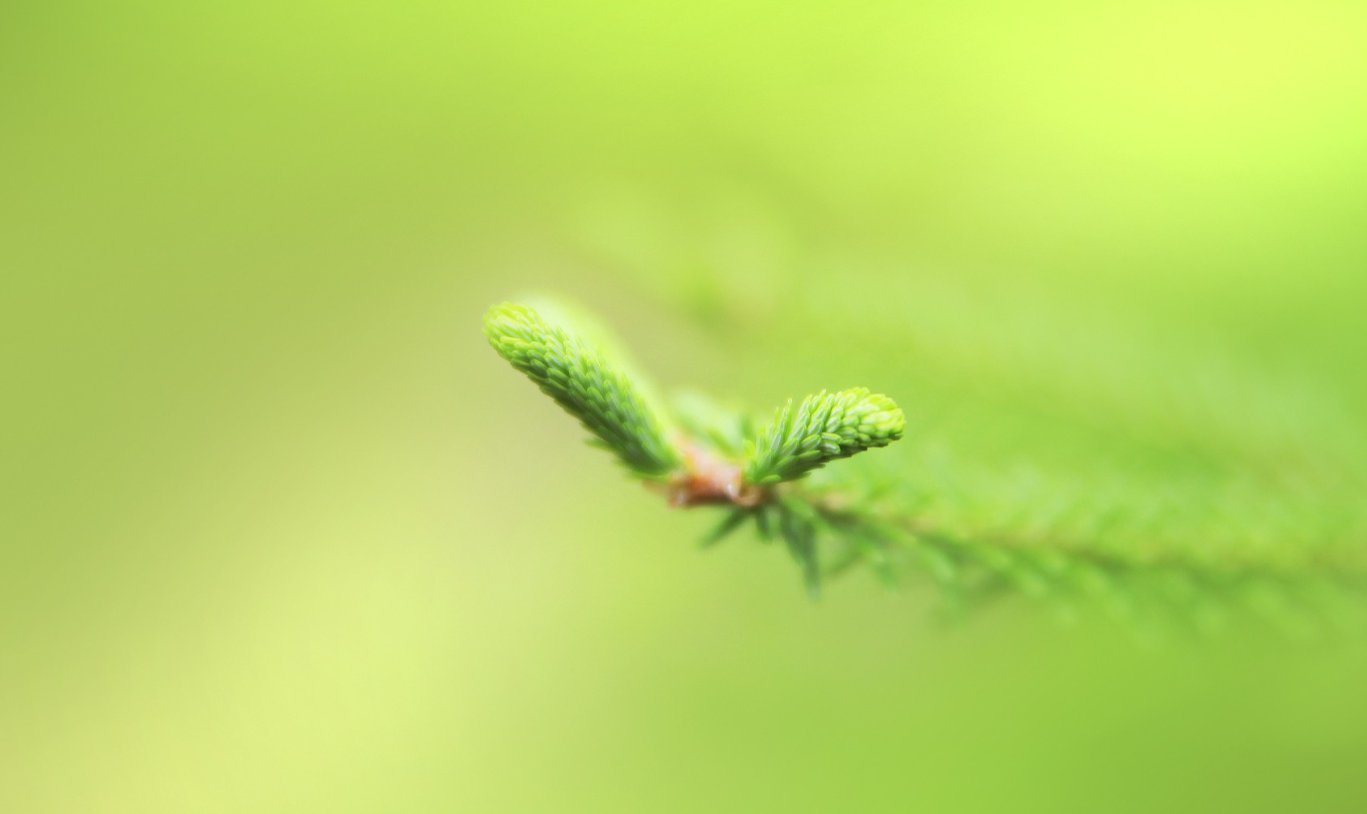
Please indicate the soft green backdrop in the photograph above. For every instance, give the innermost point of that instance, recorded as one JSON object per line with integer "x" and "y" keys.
{"x": 280, "y": 533}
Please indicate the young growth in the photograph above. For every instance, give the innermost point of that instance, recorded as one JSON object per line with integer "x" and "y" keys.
{"x": 701, "y": 455}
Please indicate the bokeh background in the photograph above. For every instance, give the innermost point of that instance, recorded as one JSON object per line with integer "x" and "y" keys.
{"x": 281, "y": 533}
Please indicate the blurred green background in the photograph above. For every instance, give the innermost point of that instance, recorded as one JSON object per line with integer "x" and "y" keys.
{"x": 281, "y": 533}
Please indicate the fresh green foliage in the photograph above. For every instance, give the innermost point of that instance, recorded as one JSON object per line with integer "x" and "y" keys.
{"x": 574, "y": 367}
{"x": 759, "y": 475}
{"x": 825, "y": 427}
{"x": 581, "y": 379}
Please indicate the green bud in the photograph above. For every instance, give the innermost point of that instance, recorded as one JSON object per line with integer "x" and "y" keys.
{"x": 823, "y": 428}
{"x": 580, "y": 377}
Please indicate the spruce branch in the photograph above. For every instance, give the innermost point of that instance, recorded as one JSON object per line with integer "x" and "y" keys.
{"x": 1153, "y": 593}
{"x": 578, "y": 373}
{"x": 702, "y": 454}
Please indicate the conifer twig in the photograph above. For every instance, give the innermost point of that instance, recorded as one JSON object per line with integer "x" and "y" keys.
{"x": 702, "y": 455}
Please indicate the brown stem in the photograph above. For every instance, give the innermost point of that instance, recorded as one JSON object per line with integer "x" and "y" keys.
{"x": 708, "y": 480}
